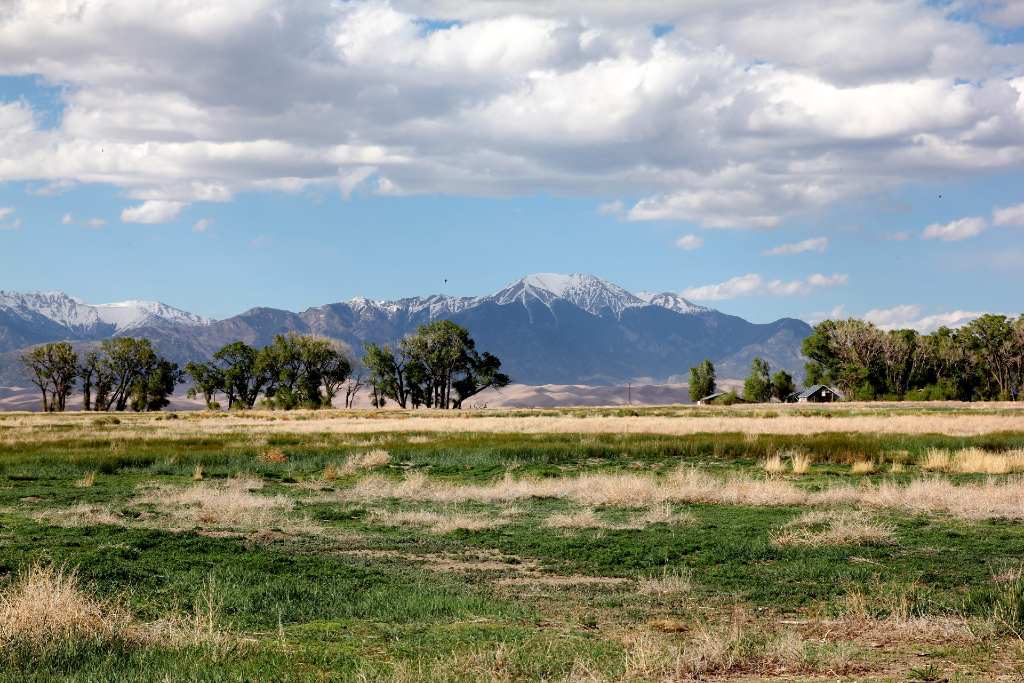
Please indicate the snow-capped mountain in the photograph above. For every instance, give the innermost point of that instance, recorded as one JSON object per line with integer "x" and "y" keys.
{"x": 80, "y": 318}
{"x": 546, "y": 328}
{"x": 672, "y": 302}
{"x": 590, "y": 293}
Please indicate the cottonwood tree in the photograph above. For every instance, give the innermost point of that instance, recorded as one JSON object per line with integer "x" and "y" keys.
{"x": 758, "y": 386}
{"x": 245, "y": 373}
{"x": 87, "y": 373}
{"x": 129, "y": 373}
{"x": 387, "y": 374}
{"x": 702, "y": 380}
{"x": 306, "y": 370}
{"x": 54, "y": 370}
{"x": 782, "y": 385}
{"x": 438, "y": 366}
{"x": 208, "y": 380}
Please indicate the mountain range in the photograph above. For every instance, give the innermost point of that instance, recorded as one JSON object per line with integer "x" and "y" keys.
{"x": 546, "y": 328}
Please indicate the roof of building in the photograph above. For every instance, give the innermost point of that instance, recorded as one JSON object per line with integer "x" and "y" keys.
{"x": 712, "y": 396}
{"x": 812, "y": 390}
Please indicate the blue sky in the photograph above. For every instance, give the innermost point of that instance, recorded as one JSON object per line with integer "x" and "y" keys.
{"x": 215, "y": 194}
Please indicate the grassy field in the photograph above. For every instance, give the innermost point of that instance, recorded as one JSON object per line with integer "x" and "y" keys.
{"x": 858, "y": 542}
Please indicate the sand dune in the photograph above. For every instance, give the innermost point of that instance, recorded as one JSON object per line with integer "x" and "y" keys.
{"x": 512, "y": 396}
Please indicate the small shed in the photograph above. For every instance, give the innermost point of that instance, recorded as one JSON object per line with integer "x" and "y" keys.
{"x": 819, "y": 393}
{"x": 710, "y": 398}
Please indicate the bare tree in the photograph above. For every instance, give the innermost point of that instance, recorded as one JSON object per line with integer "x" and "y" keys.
{"x": 352, "y": 389}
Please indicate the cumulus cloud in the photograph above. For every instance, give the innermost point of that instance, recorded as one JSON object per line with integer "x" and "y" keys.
{"x": 152, "y": 211}
{"x": 955, "y": 231}
{"x": 753, "y": 284}
{"x": 614, "y": 208}
{"x": 1010, "y": 215}
{"x": 910, "y": 316}
{"x": 818, "y": 244}
{"x": 743, "y": 115}
{"x": 690, "y": 242}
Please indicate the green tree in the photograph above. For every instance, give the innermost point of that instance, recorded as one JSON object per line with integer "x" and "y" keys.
{"x": 247, "y": 373}
{"x": 782, "y": 385}
{"x": 208, "y": 380}
{"x": 758, "y": 386}
{"x": 87, "y": 373}
{"x": 54, "y": 370}
{"x": 307, "y": 370}
{"x": 438, "y": 366}
{"x": 387, "y": 374}
{"x": 702, "y": 380}
{"x": 155, "y": 385}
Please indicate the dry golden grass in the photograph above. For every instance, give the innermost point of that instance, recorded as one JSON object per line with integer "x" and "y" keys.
{"x": 37, "y": 428}
{"x": 377, "y": 457}
{"x": 834, "y": 527}
{"x": 862, "y": 467}
{"x": 47, "y": 607}
{"x": 47, "y": 610}
{"x": 197, "y": 473}
{"x": 588, "y": 519}
{"x": 774, "y": 465}
{"x": 974, "y": 461}
{"x": 896, "y": 468}
{"x": 83, "y": 514}
{"x": 991, "y": 499}
{"x": 87, "y": 481}
{"x": 231, "y": 503}
{"x": 801, "y": 463}
{"x": 582, "y": 519}
{"x": 435, "y": 522}
{"x": 669, "y": 583}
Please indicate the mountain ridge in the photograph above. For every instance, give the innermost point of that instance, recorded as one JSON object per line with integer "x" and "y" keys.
{"x": 546, "y": 327}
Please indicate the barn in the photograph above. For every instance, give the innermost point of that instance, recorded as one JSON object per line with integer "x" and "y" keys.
{"x": 819, "y": 393}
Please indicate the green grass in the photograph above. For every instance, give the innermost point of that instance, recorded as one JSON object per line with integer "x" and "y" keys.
{"x": 299, "y": 606}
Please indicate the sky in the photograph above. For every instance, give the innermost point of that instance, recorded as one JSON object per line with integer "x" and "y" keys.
{"x": 788, "y": 158}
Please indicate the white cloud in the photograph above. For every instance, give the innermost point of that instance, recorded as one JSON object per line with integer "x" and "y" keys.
{"x": 67, "y": 219}
{"x": 614, "y": 208}
{"x": 909, "y": 316}
{"x": 95, "y": 223}
{"x": 690, "y": 242}
{"x": 753, "y": 284}
{"x": 152, "y": 211}
{"x": 746, "y": 113}
{"x": 5, "y": 211}
{"x": 818, "y": 244}
{"x": 202, "y": 225}
{"x": 349, "y": 181}
{"x": 962, "y": 229}
{"x": 1010, "y": 215}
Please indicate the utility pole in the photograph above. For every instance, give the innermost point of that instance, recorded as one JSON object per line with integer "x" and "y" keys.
{"x": 629, "y": 393}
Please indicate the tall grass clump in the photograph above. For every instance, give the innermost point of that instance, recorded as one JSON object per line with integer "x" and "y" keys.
{"x": 48, "y": 619}
{"x": 974, "y": 461}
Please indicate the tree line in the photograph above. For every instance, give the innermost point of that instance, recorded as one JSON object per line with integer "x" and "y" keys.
{"x": 760, "y": 386}
{"x": 981, "y": 361}
{"x": 438, "y": 366}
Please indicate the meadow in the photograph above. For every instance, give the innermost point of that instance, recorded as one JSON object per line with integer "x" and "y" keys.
{"x": 855, "y": 541}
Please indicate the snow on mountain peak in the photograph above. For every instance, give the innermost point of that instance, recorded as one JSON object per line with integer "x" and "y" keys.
{"x": 77, "y": 315}
{"x": 672, "y": 301}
